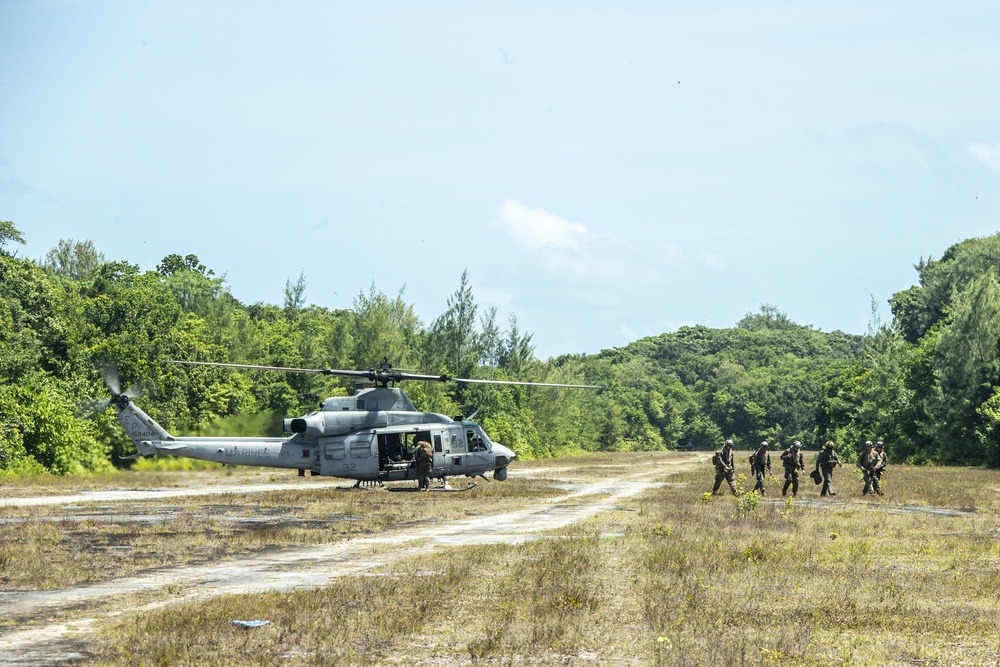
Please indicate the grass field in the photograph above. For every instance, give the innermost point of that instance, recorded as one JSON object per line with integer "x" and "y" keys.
{"x": 666, "y": 578}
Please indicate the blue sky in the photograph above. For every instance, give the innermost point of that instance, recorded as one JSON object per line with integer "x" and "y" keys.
{"x": 605, "y": 171}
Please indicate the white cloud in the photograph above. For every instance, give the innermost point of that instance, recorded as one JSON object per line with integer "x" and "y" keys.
{"x": 672, "y": 250}
{"x": 712, "y": 260}
{"x": 988, "y": 154}
{"x": 536, "y": 228}
{"x": 567, "y": 247}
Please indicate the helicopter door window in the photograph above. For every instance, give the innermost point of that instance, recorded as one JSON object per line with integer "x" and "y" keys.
{"x": 361, "y": 449}
{"x": 476, "y": 443}
{"x": 437, "y": 444}
{"x": 334, "y": 450}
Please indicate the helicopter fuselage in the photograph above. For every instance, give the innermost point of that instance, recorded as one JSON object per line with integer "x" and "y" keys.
{"x": 369, "y": 436}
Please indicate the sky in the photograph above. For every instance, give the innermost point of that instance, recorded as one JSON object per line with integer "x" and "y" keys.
{"x": 603, "y": 171}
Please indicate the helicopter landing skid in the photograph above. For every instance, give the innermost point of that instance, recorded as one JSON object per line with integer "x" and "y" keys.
{"x": 448, "y": 488}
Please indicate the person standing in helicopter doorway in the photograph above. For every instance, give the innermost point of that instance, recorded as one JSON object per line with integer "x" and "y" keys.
{"x": 724, "y": 468}
{"x": 826, "y": 462}
{"x": 424, "y": 455}
{"x": 760, "y": 465}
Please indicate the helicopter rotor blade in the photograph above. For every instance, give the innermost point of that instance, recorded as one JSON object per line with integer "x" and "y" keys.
{"x": 109, "y": 373}
{"x": 252, "y": 367}
{"x": 383, "y": 376}
{"x": 110, "y": 376}
{"x": 521, "y": 384}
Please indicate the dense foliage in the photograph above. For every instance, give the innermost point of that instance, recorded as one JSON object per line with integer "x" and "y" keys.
{"x": 927, "y": 383}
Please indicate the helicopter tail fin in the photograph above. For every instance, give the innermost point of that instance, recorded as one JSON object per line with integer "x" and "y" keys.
{"x": 140, "y": 427}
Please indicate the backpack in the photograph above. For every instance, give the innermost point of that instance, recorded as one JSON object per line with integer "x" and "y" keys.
{"x": 716, "y": 460}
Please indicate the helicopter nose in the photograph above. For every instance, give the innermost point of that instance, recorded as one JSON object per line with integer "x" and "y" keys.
{"x": 503, "y": 457}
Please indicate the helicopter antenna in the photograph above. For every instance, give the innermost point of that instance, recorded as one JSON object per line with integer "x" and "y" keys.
{"x": 384, "y": 375}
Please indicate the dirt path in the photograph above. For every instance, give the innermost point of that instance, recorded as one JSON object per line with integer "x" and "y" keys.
{"x": 306, "y": 567}
{"x": 119, "y": 495}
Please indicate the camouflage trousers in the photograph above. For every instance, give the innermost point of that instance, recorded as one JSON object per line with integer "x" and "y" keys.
{"x": 827, "y": 481}
{"x": 791, "y": 480}
{"x": 722, "y": 475}
{"x": 423, "y": 477}
{"x": 759, "y": 474}
{"x": 869, "y": 477}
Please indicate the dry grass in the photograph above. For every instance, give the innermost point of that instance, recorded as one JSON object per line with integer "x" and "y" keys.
{"x": 51, "y": 547}
{"x": 669, "y": 578}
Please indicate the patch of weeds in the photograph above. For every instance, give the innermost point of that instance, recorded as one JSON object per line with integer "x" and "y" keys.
{"x": 787, "y": 509}
{"x": 755, "y": 552}
{"x": 488, "y": 645}
{"x": 663, "y": 531}
{"x": 746, "y": 502}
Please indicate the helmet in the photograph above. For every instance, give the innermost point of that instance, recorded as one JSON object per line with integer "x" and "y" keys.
{"x": 796, "y": 444}
{"x": 829, "y": 444}
{"x": 764, "y": 444}
{"x": 879, "y": 444}
{"x": 868, "y": 443}
{"x": 729, "y": 442}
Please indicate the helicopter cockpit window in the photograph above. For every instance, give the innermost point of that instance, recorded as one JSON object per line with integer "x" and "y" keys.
{"x": 475, "y": 441}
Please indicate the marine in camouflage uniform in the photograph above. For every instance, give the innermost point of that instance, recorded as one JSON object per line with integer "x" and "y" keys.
{"x": 424, "y": 455}
{"x": 866, "y": 465}
{"x": 826, "y": 462}
{"x": 725, "y": 468}
{"x": 760, "y": 464}
{"x": 793, "y": 462}
{"x": 879, "y": 462}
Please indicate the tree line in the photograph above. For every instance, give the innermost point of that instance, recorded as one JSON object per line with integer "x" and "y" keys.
{"x": 926, "y": 382}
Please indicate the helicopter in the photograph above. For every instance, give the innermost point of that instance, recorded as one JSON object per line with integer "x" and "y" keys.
{"x": 370, "y": 437}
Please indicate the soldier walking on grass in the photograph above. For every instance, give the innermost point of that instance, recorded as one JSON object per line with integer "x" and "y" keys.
{"x": 867, "y": 466}
{"x": 724, "y": 468}
{"x": 826, "y": 462}
{"x": 879, "y": 462}
{"x": 793, "y": 462}
{"x": 760, "y": 464}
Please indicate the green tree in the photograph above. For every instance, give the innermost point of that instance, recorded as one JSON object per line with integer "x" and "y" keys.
{"x": 73, "y": 259}
{"x": 9, "y": 233}
{"x": 383, "y": 327}
{"x": 295, "y": 293}
{"x": 453, "y": 337}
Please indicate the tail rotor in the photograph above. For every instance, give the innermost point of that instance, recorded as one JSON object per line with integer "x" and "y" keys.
{"x": 119, "y": 398}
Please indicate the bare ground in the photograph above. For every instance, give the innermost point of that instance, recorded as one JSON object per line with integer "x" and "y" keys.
{"x": 52, "y": 627}
{"x": 31, "y": 638}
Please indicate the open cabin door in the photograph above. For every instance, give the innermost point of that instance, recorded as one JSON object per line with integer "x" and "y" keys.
{"x": 437, "y": 439}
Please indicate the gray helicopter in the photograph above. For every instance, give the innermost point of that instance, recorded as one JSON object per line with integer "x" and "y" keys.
{"x": 369, "y": 437}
